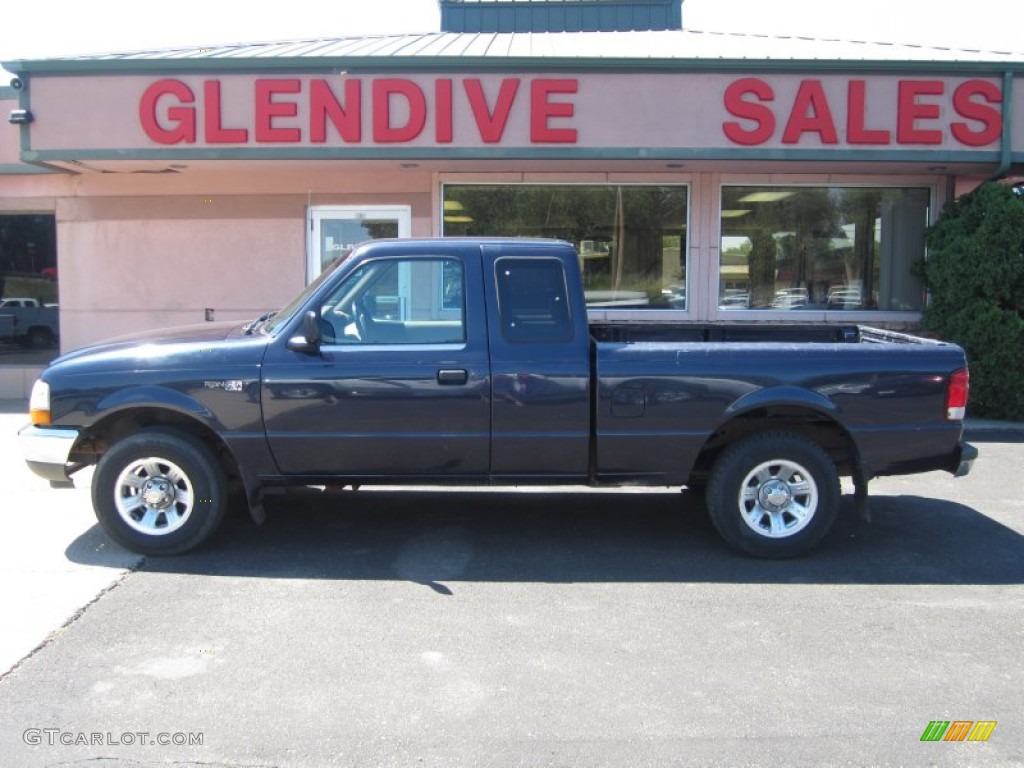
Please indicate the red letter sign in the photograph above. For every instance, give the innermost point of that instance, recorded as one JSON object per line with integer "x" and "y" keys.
{"x": 267, "y": 109}
{"x": 856, "y": 116}
{"x": 184, "y": 118}
{"x": 214, "y": 132}
{"x": 810, "y": 114}
{"x": 543, "y": 110}
{"x": 910, "y": 110}
{"x": 323, "y": 104}
{"x": 492, "y": 124}
{"x": 443, "y": 108}
{"x": 989, "y": 117}
{"x": 737, "y": 106}
{"x": 383, "y": 130}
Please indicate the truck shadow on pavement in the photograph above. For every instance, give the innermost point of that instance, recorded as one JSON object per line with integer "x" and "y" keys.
{"x": 440, "y": 538}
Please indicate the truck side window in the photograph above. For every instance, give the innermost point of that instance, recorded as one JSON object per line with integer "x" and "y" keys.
{"x": 533, "y": 300}
{"x": 397, "y": 301}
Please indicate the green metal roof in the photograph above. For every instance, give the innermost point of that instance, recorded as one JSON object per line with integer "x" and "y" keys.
{"x": 559, "y": 15}
{"x": 668, "y": 49}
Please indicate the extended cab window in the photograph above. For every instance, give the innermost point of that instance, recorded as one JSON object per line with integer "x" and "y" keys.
{"x": 533, "y": 300}
{"x": 397, "y": 301}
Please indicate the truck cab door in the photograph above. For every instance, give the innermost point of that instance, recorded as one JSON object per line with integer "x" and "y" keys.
{"x": 540, "y": 363}
{"x": 399, "y": 387}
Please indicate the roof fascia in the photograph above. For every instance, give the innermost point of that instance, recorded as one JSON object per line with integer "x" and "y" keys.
{"x": 977, "y": 157}
{"x": 370, "y": 64}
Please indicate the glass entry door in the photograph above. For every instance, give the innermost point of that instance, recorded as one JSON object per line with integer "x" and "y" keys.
{"x": 335, "y": 230}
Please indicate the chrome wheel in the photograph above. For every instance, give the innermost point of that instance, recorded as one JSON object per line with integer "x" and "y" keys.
{"x": 778, "y": 498}
{"x": 773, "y": 494}
{"x": 159, "y": 491}
{"x": 154, "y": 496}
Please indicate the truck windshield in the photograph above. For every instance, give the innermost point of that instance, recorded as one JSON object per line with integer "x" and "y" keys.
{"x": 281, "y": 318}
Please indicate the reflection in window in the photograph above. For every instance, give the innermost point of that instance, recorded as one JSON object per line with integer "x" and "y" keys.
{"x": 835, "y": 248}
{"x": 339, "y": 236}
{"x": 631, "y": 239}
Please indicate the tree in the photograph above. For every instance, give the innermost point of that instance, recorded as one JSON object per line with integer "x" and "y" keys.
{"x": 975, "y": 273}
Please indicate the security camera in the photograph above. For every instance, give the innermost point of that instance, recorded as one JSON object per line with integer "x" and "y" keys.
{"x": 17, "y": 83}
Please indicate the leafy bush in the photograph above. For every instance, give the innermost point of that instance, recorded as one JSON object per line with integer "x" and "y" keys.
{"x": 975, "y": 272}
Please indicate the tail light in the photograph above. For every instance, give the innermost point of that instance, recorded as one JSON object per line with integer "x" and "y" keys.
{"x": 956, "y": 395}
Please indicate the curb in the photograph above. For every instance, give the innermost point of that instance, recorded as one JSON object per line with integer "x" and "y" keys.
{"x": 981, "y": 430}
{"x": 993, "y": 425}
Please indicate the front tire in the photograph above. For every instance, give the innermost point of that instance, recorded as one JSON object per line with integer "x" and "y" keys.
{"x": 159, "y": 493}
{"x": 774, "y": 495}
{"x": 40, "y": 338}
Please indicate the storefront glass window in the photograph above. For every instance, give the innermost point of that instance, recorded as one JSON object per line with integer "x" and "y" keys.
{"x": 29, "y": 313}
{"x": 631, "y": 239}
{"x": 818, "y": 248}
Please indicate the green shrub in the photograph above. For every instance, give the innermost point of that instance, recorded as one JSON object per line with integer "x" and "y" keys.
{"x": 975, "y": 273}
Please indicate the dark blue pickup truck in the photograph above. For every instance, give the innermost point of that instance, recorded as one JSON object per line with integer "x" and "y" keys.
{"x": 473, "y": 362}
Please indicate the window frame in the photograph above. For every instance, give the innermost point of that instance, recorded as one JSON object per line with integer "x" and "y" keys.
{"x": 316, "y": 214}
{"x": 703, "y": 233}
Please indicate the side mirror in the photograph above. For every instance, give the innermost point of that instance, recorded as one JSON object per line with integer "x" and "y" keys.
{"x": 309, "y": 342}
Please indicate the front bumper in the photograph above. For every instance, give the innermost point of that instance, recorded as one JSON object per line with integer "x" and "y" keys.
{"x": 47, "y": 451}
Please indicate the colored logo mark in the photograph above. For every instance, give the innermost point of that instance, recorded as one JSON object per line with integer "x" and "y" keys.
{"x": 958, "y": 730}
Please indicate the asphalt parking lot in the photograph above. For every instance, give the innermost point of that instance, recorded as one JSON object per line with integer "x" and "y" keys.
{"x": 503, "y": 628}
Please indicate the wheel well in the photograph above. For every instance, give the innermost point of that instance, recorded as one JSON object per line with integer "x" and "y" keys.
{"x": 109, "y": 430}
{"x": 38, "y": 336}
{"x": 813, "y": 425}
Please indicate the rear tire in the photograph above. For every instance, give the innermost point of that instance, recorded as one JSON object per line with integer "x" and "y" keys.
{"x": 159, "y": 492}
{"x": 774, "y": 494}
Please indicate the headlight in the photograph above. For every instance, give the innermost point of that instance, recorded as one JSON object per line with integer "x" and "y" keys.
{"x": 39, "y": 403}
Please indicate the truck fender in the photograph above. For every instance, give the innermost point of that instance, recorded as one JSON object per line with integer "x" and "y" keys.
{"x": 156, "y": 397}
{"x": 178, "y": 402}
{"x": 796, "y": 399}
{"x": 781, "y": 396}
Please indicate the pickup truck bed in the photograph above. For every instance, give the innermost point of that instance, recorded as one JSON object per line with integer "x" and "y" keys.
{"x": 472, "y": 361}
{"x": 679, "y": 380}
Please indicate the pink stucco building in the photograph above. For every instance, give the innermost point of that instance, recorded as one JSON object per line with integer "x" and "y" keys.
{"x": 700, "y": 176}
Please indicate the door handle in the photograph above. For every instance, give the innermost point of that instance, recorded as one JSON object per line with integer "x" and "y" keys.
{"x": 452, "y": 376}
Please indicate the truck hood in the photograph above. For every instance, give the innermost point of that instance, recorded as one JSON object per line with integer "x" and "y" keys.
{"x": 184, "y": 346}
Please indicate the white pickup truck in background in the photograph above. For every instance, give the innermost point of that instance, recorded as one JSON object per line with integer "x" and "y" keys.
{"x": 29, "y": 322}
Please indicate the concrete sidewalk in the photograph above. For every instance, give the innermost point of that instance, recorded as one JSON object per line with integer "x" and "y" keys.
{"x": 43, "y": 535}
